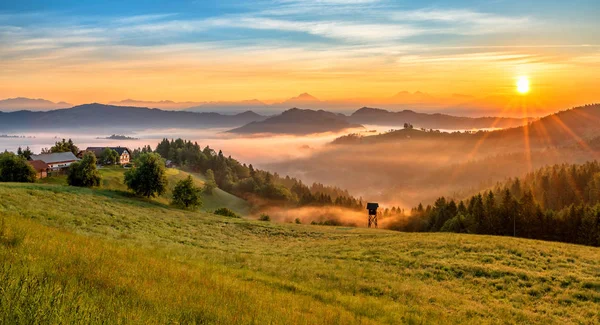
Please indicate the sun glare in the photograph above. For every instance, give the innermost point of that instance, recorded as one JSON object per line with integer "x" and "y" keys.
{"x": 523, "y": 85}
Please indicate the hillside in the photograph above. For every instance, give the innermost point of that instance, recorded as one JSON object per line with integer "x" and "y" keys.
{"x": 112, "y": 179}
{"x": 121, "y": 117}
{"x": 367, "y": 115}
{"x": 92, "y": 256}
{"x": 568, "y": 127}
{"x": 298, "y": 122}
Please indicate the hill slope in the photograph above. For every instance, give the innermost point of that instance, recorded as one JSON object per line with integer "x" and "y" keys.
{"x": 91, "y": 256}
{"x": 112, "y": 179}
{"x": 567, "y": 127}
{"x": 298, "y": 121}
{"x": 367, "y": 115}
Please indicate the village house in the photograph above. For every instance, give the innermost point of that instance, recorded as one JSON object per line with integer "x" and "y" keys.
{"x": 41, "y": 168}
{"x": 56, "y": 163}
{"x": 123, "y": 152}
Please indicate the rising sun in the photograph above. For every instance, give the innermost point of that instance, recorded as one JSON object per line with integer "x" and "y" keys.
{"x": 523, "y": 85}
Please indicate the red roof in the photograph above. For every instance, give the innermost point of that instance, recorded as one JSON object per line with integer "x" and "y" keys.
{"x": 38, "y": 165}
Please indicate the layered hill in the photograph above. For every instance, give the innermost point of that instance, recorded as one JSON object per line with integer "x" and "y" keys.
{"x": 569, "y": 127}
{"x": 109, "y": 116}
{"x": 102, "y": 256}
{"x": 367, "y": 115}
{"x": 298, "y": 121}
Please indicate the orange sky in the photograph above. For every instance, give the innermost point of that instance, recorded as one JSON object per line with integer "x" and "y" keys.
{"x": 279, "y": 52}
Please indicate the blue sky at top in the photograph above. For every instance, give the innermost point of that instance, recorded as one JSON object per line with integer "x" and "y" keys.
{"x": 312, "y": 43}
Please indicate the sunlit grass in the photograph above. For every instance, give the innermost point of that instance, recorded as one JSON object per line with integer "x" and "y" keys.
{"x": 112, "y": 179}
{"x": 95, "y": 256}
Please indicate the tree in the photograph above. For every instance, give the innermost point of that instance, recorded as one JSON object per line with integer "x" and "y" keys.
{"x": 109, "y": 157}
{"x": 210, "y": 184}
{"x": 186, "y": 194}
{"x": 27, "y": 153}
{"x": 83, "y": 173}
{"x": 148, "y": 177}
{"x": 15, "y": 169}
{"x": 64, "y": 146}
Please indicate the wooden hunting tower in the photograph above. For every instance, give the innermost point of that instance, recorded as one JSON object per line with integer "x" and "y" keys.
{"x": 372, "y": 208}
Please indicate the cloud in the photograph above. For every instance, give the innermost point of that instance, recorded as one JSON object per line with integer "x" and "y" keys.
{"x": 331, "y": 29}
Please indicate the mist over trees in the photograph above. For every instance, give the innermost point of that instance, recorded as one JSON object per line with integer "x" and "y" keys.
{"x": 558, "y": 203}
{"x": 258, "y": 186}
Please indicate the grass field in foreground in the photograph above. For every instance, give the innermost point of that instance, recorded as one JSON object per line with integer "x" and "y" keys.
{"x": 103, "y": 256}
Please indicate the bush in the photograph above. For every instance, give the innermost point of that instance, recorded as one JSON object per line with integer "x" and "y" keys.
{"x": 186, "y": 195}
{"x": 264, "y": 217}
{"x": 226, "y": 213}
{"x": 84, "y": 173}
{"x": 297, "y": 221}
{"x": 15, "y": 169}
{"x": 148, "y": 177}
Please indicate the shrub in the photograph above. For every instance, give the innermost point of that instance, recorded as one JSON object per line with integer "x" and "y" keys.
{"x": 226, "y": 213}
{"x": 148, "y": 177}
{"x": 15, "y": 169}
{"x": 84, "y": 173}
{"x": 297, "y": 221}
{"x": 186, "y": 195}
{"x": 264, "y": 217}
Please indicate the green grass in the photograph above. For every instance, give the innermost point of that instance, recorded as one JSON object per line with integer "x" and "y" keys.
{"x": 112, "y": 179}
{"x": 103, "y": 256}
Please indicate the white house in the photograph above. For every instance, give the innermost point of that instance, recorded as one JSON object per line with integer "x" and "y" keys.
{"x": 56, "y": 162}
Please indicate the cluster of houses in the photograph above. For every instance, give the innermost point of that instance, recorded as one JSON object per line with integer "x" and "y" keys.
{"x": 52, "y": 164}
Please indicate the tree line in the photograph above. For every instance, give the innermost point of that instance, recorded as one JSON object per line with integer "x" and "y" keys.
{"x": 258, "y": 186}
{"x": 557, "y": 203}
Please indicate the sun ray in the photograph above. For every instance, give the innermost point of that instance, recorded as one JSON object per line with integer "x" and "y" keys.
{"x": 577, "y": 139}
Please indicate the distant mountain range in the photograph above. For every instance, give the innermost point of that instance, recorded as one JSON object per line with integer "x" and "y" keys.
{"x": 306, "y": 121}
{"x": 292, "y": 121}
{"x": 574, "y": 127}
{"x": 455, "y": 104}
{"x": 21, "y": 103}
{"x": 119, "y": 118}
{"x": 299, "y": 121}
{"x": 377, "y": 116}
{"x": 163, "y": 104}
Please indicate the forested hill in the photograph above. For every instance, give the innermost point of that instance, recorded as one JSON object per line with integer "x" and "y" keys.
{"x": 261, "y": 188}
{"x": 299, "y": 121}
{"x": 571, "y": 127}
{"x": 367, "y": 115}
{"x": 109, "y": 116}
{"x": 559, "y": 203}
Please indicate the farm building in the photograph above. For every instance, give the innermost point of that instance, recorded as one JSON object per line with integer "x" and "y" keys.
{"x": 57, "y": 162}
{"x": 41, "y": 168}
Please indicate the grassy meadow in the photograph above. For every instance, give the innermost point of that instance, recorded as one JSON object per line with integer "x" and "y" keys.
{"x": 112, "y": 179}
{"x": 72, "y": 255}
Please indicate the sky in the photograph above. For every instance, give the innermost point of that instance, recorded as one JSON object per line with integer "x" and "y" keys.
{"x": 100, "y": 51}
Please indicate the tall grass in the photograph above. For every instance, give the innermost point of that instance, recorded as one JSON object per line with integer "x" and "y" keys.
{"x": 91, "y": 256}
